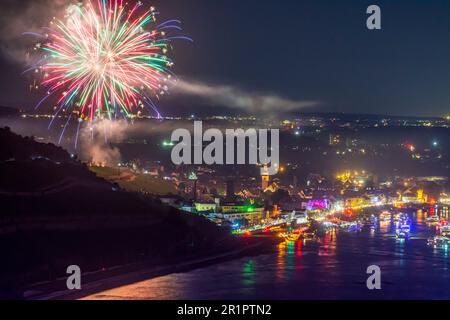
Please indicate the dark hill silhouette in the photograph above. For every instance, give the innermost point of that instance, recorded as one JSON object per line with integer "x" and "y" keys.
{"x": 55, "y": 212}
{"x": 26, "y": 148}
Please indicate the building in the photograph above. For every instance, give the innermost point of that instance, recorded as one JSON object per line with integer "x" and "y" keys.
{"x": 205, "y": 207}
{"x": 231, "y": 193}
{"x": 355, "y": 202}
{"x": 335, "y": 139}
{"x": 252, "y": 214}
{"x": 265, "y": 178}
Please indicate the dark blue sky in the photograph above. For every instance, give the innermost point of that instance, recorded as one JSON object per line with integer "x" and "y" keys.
{"x": 314, "y": 50}
{"x": 322, "y": 50}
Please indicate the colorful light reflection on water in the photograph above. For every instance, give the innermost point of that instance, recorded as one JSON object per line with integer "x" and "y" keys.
{"x": 334, "y": 267}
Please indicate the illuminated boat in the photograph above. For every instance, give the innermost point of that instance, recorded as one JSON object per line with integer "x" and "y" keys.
{"x": 404, "y": 220}
{"x": 403, "y": 231}
{"x": 405, "y": 228}
{"x": 385, "y": 216}
{"x": 300, "y": 234}
{"x": 327, "y": 225}
{"x": 351, "y": 226}
{"x": 310, "y": 235}
{"x": 403, "y": 216}
{"x": 292, "y": 237}
{"x": 439, "y": 242}
{"x": 432, "y": 220}
{"x": 401, "y": 235}
{"x": 445, "y": 231}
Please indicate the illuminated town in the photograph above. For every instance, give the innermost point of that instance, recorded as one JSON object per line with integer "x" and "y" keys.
{"x": 251, "y": 203}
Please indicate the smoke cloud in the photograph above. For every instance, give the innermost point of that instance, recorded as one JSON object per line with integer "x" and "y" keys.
{"x": 96, "y": 142}
{"x": 30, "y": 16}
{"x": 230, "y": 96}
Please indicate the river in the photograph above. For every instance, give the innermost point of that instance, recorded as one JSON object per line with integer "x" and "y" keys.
{"x": 332, "y": 268}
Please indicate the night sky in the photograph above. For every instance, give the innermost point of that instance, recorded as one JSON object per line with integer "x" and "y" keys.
{"x": 313, "y": 50}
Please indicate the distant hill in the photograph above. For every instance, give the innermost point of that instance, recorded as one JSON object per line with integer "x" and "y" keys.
{"x": 8, "y": 111}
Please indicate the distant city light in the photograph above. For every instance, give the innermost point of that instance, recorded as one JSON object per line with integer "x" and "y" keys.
{"x": 411, "y": 147}
{"x": 168, "y": 144}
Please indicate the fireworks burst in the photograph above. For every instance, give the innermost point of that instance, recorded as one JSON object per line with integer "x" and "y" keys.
{"x": 106, "y": 60}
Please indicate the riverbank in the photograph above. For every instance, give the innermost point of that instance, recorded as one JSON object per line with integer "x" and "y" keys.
{"x": 100, "y": 281}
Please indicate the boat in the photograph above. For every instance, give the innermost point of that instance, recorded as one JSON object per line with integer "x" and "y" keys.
{"x": 309, "y": 235}
{"x": 328, "y": 225}
{"x": 403, "y": 231}
{"x": 404, "y": 220}
{"x": 300, "y": 218}
{"x": 432, "y": 220}
{"x": 403, "y": 216}
{"x": 351, "y": 226}
{"x": 385, "y": 216}
{"x": 439, "y": 242}
{"x": 292, "y": 237}
{"x": 298, "y": 235}
{"x": 401, "y": 234}
{"x": 445, "y": 231}
{"x": 371, "y": 222}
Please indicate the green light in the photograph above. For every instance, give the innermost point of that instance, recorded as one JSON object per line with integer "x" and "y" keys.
{"x": 192, "y": 176}
{"x": 168, "y": 144}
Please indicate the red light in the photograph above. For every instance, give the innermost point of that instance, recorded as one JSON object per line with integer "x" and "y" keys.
{"x": 299, "y": 248}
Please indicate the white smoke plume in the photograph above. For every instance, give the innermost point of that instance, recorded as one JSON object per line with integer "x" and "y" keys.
{"x": 230, "y": 96}
{"x": 96, "y": 142}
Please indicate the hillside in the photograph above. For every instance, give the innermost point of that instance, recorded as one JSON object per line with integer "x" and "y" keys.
{"x": 56, "y": 212}
{"x": 135, "y": 182}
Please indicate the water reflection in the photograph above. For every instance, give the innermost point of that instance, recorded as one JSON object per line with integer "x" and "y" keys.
{"x": 420, "y": 216}
{"x": 281, "y": 262}
{"x": 333, "y": 267}
{"x": 248, "y": 273}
